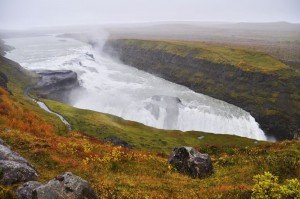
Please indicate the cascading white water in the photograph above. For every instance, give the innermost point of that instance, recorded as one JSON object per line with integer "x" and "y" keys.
{"x": 121, "y": 90}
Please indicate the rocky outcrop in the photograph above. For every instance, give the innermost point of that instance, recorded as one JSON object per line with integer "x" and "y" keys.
{"x": 67, "y": 185}
{"x": 189, "y": 161}
{"x": 270, "y": 98}
{"x": 14, "y": 168}
{"x": 56, "y": 84}
{"x": 117, "y": 142}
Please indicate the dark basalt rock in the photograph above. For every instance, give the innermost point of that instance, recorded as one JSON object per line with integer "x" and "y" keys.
{"x": 188, "y": 161}
{"x": 117, "y": 142}
{"x": 56, "y": 84}
{"x": 13, "y": 167}
{"x": 65, "y": 186}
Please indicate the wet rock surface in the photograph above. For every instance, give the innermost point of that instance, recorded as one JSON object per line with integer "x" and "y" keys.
{"x": 189, "y": 161}
{"x": 56, "y": 84}
{"x": 13, "y": 167}
{"x": 67, "y": 185}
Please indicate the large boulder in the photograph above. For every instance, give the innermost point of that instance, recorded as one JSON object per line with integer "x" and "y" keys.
{"x": 7, "y": 154}
{"x": 67, "y": 185}
{"x": 12, "y": 172}
{"x": 189, "y": 161}
{"x": 13, "y": 167}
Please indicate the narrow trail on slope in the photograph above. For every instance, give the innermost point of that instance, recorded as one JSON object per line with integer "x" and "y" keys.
{"x": 42, "y": 105}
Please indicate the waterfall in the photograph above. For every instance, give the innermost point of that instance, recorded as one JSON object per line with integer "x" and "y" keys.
{"x": 118, "y": 89}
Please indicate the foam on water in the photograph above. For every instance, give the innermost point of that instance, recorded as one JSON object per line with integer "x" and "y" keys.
{"x": 112, "y": 87}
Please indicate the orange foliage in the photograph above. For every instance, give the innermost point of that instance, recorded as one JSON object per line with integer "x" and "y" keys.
{"x": 114, "y": 172}
{"x": 19, "y": 118}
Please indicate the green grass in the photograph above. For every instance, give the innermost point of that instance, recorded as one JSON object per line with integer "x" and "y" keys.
{"x": 244, "y": 59}
{"x": 103, "y": 125}
{"x": 19, "y": 80}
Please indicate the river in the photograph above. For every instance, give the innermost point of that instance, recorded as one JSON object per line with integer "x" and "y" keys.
{"x": 114, "y": 88}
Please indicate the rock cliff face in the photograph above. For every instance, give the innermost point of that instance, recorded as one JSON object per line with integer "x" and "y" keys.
{"x": 270, "y": 98}
{"x": 56, "y": 84}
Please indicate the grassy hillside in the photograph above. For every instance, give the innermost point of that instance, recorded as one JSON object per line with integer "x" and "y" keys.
{"x": 142, "y": 137}
{"x": 142, "y": 172}
{"x": 19, "y": 80}
{"x": 247, "y": 60}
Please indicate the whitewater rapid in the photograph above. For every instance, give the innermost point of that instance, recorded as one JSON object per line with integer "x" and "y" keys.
{"x": 114, "y": 88}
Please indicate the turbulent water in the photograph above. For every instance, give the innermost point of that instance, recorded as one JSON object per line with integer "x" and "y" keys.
{"x": 121, "y": 90}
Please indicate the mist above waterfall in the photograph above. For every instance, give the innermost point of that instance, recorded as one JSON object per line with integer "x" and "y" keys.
{"x": 111, "y": 87}
{"x": 32, "y": 13}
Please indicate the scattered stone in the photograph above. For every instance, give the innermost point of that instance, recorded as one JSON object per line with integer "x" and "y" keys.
{"x": 189, "y": 161}
{"x": 117, "y": 142}
{"x": 65, "y": 186}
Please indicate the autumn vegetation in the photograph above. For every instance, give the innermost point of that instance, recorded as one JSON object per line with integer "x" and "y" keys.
{"x": 141, "y": 172}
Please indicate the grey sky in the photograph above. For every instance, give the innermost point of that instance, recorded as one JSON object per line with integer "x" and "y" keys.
{"x": 29, "y": 13}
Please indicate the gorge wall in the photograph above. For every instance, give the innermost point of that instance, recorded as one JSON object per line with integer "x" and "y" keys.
{"x": 270, "y": 98}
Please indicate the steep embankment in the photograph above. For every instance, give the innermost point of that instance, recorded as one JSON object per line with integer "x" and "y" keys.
{"x": 254, "y": 81}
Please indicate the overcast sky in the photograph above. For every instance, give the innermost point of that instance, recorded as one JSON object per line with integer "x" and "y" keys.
{"x": 30, "y": 13}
